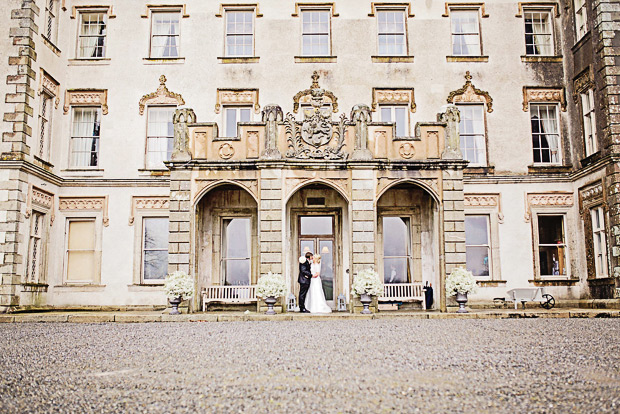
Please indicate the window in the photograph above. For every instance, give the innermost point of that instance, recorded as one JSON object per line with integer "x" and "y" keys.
{"x": 465, "y": 33}
{"x": 589, "y": 122}
{"x": 45, "y": 126}
{"x": 236, "y": 251}
{"x": 545, "y": 134}
{"x": 391, "y": 32}
{"x": 81, "y": 258}
{"x": 599, "y": 240}
{"x": 538, "y": 33}
{"x": 50, "y": 29}
{"x": 165, "y": 29}
{"x": 397, "y": 114}
{"x": 478, "y": 251}
{"x": 92, "y": 36}
{"x": 397, "y": 257}
{"x": 85, "y": 137}
{"x": 581, "y": 18}
{"x": 471, "y": 128}
{"x": 154, "y": 249}
{"x": 159, "y": 136}
{"x": 35, "y": 248}
{"x": 315, "y": 33}
{"x": 551, "y": 246}
{"x": 239, "y": 33}
{"x": 233, "y": 115}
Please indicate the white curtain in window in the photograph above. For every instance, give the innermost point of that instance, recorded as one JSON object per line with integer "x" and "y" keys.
{"x": 541, "y": 35}
{"x": 550, "y": 134}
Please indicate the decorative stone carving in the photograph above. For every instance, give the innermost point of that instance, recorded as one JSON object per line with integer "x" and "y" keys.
{"x": 543, "y": 95}
{"x": 470, "y": 94}
{"x": 590, "y": 196}
{"x": 226, "y": 151}
{"x": 451, "y": 117}
{"x": 313, "y": 92}
{"x": 162, "y": 96}
{"x": 406, "y": 150}
{"x": 86, "y": 97}
{"x": 361, "y": 116}
{"x": 583, "y": 82}
{"x": 147, "y": 203}
{"x": 272, "y": 114}
{"x": 85, "y": 203}
{"x": 50, "y": 86}
{"x": 181, "y": 119}
{"x": 485, "y": 200}
{"x": 237, "y": 97}
{"x": 546, "y": 200}
{"x": 41, "y": 199}
{"x": 402, "y": 96}
{"x": 318, "y": 134}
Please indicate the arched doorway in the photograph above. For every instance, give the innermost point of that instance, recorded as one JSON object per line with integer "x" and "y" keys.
{"x": 227, "y": 237}
{"x": 317, "y": 220}
{"x": 407, "y": 248}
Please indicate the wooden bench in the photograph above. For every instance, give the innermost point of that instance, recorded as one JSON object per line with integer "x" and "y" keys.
{"x": 403, "y": 292}
{"x": 228, "y": 294}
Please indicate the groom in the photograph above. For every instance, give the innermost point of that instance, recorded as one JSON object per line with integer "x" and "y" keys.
{"x": 305, "y": 276}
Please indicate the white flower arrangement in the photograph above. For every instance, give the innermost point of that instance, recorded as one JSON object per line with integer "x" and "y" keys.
{"x": 460, "y": 280}
{"x": 178, "y": 284}
{"x": 368, "y": 282}
{"x": 271, "y": 284}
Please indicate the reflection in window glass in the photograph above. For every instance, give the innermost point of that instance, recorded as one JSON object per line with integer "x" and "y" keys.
{"x": 239, "y": 33}
{"x": 599, "y": 238}
{"x": 165, "y": 35}
{"x": 396, "y": 250}
{"x": 398, "y": 115}
{"x": 538, "y": 34}
{"x": 471, "y": 129}
{"x": 326, "y": 248}
{"x": 160, "y": 136}
{"x": 155, "y": 248}
{"x": 391, "y": 33}
{"x": 233, "y": 115}
{"x": 551, "y": 245}
{"x": 317, "y": 225}
{"x": 477, "y": 244}
{"x": 465, "y": 33}
{"x": 315, "y": 33}
{"x": 236, "y": 251}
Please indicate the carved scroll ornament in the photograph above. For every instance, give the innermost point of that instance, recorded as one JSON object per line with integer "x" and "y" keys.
{"x": 470, "y": 94}
{"x": 546, "y": 200}
{"x": 86, "y": 97}
{"x": 402, "y": 96}
{"x": 485, "y": 200}
{"x": 85, "y": 204}
{"x": 50, "y": 86}
{"x": 307, "y": 95}
{"x": 162, "y": 96}
{"x": 237, "y": 97}
{"x": 543, "y": 95}
{"x": 42, "y": 199}
{"x": 583, "y": 82}
{"x": 147, "y": 203}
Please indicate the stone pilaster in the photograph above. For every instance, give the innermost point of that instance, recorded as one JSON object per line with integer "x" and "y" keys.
{"x": 272, "y": 114}
{"x": 14, "y": 143}
{"x": 363, "y": 219}
{"x": 270, "y": 220}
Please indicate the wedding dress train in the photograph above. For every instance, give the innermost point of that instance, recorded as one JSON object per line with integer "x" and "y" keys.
{"x": 315, "y": 300}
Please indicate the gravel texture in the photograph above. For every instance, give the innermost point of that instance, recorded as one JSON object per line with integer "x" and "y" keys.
{"x": 473, "y": 366}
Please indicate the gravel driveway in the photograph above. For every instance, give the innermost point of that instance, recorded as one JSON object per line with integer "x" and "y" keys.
{"x": 473, "y": 366}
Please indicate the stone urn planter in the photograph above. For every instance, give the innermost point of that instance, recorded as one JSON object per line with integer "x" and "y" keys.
{"x": 366, "y": 301}
{"x": 270, "y": 301}
{"x": 175, "y": 305}
{"x": 461, "y": 299}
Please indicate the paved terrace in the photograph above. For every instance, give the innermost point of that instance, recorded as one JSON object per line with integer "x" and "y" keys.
{"x": 400, "y": 365}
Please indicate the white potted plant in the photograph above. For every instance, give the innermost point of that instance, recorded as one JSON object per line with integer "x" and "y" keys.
{"x": 460, "y": 283}
{"x": 270, "y": 287}
{"x": 178, "y": 286}
{"x": 366, "y": 284}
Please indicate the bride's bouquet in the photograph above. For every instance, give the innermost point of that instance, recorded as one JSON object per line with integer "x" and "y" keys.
{"x": 367, "y": 282}
{"x": 271, "y": 284}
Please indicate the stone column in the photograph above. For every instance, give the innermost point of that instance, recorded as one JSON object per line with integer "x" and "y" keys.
{"x": 360, "y": 115}
{"x": 271, "y": 205}
{"x": 271, "y": 115}
{"x": 363, "y": 219}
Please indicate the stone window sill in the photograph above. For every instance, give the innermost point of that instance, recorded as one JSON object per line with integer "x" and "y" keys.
{"x": 554, "y": 282}
{"x": 491, "y": 283}
{"x": 467, "y": 58}
{"x": 164, "y": 61}
{"x": 35, "y": 287}
{"x": 51, "y": 45}
{"x": 86, "y": 172}
{"x": 45, "y": 164}
{"x": 89, "y": 62}
{"x": 479, "y": 170}
{"x": 548, "y": 169}
{"x": 154, "y": 172}
{"x": 315, "y": 59}
{"x": 392, "y": 59}
{"x": 79, "y": 288}
{"x": 591, "y": 159}
{"x": 146, "y": 287}
{"x": 541, "y": 59}
{"x": 238, "y": 59}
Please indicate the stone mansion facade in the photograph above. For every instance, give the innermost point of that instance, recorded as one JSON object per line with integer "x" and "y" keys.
{"x": 227, "y": 139}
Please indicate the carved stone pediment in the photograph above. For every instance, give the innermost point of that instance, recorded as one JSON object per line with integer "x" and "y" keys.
{"x": 543, "y": 95}
{"x": 313, "y": 94}
{"x": 555, "y": 199}
{"x": 470, "y": 94}
{"x": 162, "y": 96}
{"x": 583, "y": 82}
{"x": 402, "y": 96}
{"x": 98, "y": 203}
{"x": 50, "y": 86}
{"x": 147, "y": 203}
{"x": 237, "y": 97}
{"x": 86, "y": 97}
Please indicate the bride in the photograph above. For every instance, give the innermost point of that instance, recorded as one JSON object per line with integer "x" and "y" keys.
{"x": 315, "y": 301}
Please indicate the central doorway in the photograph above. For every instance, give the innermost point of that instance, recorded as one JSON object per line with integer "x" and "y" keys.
{"x": 317, "y": 234}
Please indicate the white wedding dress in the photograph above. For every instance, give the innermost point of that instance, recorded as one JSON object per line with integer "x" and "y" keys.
{"x": 315, "y": 300}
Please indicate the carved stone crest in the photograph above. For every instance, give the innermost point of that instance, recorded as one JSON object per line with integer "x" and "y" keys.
{"x": 326, "y": 96}
{"x": 160, "y": 97}
{"x": 469, "y": 94}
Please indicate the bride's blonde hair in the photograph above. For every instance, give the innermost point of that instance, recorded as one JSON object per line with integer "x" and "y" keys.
{"x": 317, "y": 258}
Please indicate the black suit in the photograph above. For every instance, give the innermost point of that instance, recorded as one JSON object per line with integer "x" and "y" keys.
{"x": 305, "y": 276}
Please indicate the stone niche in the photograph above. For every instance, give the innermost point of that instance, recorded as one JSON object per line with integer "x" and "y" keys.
{"x": 206, "y": 144}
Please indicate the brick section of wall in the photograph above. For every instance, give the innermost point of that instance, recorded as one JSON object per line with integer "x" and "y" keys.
{"x": 14, "y": 145}
{"x": 270, "y": 217}
{"x": 179, "y": 254}
{"x": 454, "y": 219}
{"x": 363, "y": 219}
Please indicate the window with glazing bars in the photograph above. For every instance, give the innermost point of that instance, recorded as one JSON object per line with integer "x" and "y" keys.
{"x": 315, "y": 33}
{"x": 538, "y": 33}
{"x": 35, "y": 248}
{"x": 472, "y": 131}
{"x": 92, "y": 37}
{"x": 239, "y": 33}
{"x": 85, "y": 137}
{"x": 581, "y": 18}
{"x": 165, "y": 34}
{"x": 465, "y": 33}
{"x": 51, "y": 20}
{"x": 545, "y": 134}
{"x": 589, "y": 122}
{"x": 391, "y": 32}
{"x": 160, "y": 136}
{"x": 45, "y": 125}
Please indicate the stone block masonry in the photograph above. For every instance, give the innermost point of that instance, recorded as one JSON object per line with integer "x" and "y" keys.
{"x": 270, "y": 218}
{"x": 363, "y": 218}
